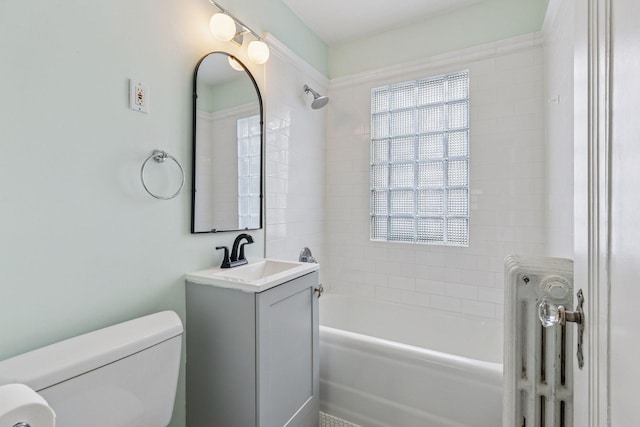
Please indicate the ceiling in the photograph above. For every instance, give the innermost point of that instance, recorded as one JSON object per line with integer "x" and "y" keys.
{"x": 339, "y": 21}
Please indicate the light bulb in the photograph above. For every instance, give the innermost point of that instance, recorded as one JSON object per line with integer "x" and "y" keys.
{"x": 258, "y": 51}
{"x": 223, "y": 27}
{"x": 235, "y": 64}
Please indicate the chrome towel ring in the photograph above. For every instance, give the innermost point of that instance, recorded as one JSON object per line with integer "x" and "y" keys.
{"x": 160, "y": 156}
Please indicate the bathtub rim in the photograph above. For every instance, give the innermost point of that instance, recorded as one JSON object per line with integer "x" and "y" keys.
{"x": 411, "y": 353}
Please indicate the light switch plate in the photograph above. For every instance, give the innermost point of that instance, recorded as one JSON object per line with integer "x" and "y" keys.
{"x": 138, "y": 96}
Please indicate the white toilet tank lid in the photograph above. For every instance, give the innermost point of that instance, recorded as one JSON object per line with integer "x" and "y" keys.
{"x": 50, "y": 365}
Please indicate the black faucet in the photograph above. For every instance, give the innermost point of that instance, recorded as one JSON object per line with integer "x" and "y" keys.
{"x": 235, "y": 259}
{"x": 238, "y": 256}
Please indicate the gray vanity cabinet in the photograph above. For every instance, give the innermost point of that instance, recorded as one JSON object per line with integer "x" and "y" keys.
{"x": 252, "y": 357}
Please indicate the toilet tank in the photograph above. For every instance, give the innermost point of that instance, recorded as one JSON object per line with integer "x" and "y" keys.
{"x": 122, "y": 375}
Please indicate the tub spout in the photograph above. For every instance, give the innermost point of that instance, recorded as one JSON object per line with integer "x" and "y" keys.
{"x": 306, "y": 256}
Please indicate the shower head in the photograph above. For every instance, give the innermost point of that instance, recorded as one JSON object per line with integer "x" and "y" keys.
{"x": 319, "y": 101}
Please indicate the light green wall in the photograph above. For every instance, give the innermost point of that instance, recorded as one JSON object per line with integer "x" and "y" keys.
{"x": 487, "y": 21}
{"x": 484, "y": 22}
{"x": 83, "y": 245}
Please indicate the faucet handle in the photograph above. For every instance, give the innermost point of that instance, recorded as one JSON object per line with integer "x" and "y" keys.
{"x": 225, "y": 258}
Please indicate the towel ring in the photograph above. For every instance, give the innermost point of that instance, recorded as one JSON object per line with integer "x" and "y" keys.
{"x": 160, "y": 156}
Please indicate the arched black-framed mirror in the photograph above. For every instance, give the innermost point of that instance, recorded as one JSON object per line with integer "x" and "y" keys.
{"x": 227, "y": 146}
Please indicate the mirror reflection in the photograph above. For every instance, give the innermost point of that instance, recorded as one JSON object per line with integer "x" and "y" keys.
{"x": 227, "y": 147}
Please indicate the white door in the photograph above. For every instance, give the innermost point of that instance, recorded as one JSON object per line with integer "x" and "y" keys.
{"x": 625, "y": 215}
{"x": 607, "y": 219}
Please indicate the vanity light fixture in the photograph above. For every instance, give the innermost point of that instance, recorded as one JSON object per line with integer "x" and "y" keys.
{"x": 258, "y": 51}
{"x": 224, "y": 26}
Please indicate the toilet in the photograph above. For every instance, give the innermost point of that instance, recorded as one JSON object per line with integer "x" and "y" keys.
{"x": 122, "y": 375}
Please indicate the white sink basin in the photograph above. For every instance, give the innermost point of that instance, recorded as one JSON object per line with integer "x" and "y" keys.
{"x": 256, "y": 276}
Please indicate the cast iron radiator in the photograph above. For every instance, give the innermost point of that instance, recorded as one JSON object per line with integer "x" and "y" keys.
{"x": 538, "y": 362}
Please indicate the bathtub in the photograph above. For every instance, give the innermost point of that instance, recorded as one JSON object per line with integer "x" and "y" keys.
{"x": 387, "y": 365}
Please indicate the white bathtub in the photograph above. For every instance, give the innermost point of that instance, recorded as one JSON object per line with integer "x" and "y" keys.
{"x": 387, "y": 365}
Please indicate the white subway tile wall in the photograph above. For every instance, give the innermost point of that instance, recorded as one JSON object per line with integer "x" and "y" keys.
{"x": 295, "y": 157}
{"x": 507, "y": 184}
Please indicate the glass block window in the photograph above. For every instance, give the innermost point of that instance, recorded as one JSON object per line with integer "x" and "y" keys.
{"x": 249, "y": 172}
{"x": 420, "y": 161}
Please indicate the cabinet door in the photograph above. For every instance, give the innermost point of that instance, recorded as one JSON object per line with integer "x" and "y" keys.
{"x": 287, "y": 341}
